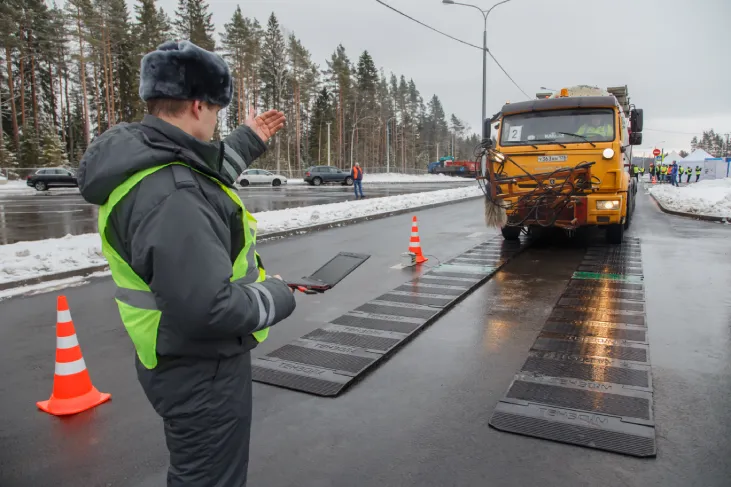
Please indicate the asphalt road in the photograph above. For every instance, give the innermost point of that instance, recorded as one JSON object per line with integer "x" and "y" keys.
{"x": 420, "y": 419}
{"x": 56, "y": 214}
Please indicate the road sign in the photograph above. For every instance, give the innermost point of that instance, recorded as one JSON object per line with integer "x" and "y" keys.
{"x": 656, "y": 152}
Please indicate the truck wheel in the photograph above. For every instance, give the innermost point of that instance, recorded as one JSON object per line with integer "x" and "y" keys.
{"x": 615, "y": 233}
{"x": 511, "y": 233}
{"x": 630, "y": 211}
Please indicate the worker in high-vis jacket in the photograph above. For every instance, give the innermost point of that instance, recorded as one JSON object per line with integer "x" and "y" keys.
{"x": 697, "y": 173}
{"x": 192, "y": 291}
{"x": 664, "y": 171}
{"x": 635, "y": 171}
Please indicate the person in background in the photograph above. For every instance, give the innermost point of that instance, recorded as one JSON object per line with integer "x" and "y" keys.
{"x": 357, "y": 174}
{"x": 697, "y": 173}
{"x": 689, "y": 172}
{"x": 635, "y": 171}
{"x": 681, "y": 171}
{"x": 674, "y": 174}
{"x": 663, "y": 173}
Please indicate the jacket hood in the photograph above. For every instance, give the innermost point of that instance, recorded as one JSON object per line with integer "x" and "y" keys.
{"x": 128, "y": 148}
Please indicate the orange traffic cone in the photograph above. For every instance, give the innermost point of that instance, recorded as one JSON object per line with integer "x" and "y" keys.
{"x": 72, "y": 388}
{"x": 415, "y": 243}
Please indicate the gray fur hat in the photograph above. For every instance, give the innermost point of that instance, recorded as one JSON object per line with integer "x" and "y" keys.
{"x": 184, "y": 71}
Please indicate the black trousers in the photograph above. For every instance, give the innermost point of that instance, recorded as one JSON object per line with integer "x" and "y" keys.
{"x": 205, "y": 405}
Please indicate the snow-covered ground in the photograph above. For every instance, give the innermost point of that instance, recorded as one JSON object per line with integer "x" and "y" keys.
{"x": 24, "y": 260}
{"x": 709, "y": 198}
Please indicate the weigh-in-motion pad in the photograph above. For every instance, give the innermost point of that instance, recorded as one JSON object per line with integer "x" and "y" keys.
{"x": 587, "y": 379}
{"x": 327, "y": 360}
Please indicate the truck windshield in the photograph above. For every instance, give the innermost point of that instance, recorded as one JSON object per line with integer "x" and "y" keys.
{"x": 558, "y": 126}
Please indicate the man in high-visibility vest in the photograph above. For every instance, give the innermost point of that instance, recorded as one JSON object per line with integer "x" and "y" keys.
{"x": 689, "y": 172}
{"x": 664, "y": 171}
{"x": 635, "y": 171}
{"x": 599, "y": 128}
{"x": 697, "y": 173}
{"x": 192, "y": 292}
{"x": 681, "y": 171}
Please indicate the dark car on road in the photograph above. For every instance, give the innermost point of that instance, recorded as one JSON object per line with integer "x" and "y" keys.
{"x": 52, "y": 177}
{"x": 317, "y": 175}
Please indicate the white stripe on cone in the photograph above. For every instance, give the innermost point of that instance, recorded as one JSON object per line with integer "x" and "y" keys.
{"x": 414, "y": 245}
{"x": 414, "y": 234}
{"x": 67, "y": 342}
{"x": 64, "y": 316}
{"x": 70, "y": 368}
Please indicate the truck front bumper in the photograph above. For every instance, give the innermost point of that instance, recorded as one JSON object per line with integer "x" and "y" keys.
{"x": 580, "y": 211}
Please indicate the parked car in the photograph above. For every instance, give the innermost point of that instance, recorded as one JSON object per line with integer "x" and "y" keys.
{"x": 316, "y": 175}
{"x": 52, "y": 177}
{"x": 260, "y": 176}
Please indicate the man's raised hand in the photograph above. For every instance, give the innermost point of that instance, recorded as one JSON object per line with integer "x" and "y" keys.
{"x": 267, "y": 124}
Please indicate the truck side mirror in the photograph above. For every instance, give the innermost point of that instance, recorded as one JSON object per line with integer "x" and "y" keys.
{"x": 636, "y": 119}
{"x": 486, "y": 129}
{"x": 635, "y": 138}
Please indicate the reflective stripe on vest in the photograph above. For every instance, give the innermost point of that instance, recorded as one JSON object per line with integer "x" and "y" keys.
{"x": 136, "y": 302}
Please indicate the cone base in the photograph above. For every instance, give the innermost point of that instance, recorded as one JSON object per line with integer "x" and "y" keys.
{"x": 420, "y": 259}
{"x": 64, "y": 407}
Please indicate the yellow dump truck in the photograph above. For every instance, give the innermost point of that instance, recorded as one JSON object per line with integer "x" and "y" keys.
{"x": 563, "y": 160}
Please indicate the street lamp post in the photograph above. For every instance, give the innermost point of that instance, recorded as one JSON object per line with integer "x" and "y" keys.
{"x": 328, "y": 143}
{"x": 388, "y": 147}
{"x": 485, "y": 13}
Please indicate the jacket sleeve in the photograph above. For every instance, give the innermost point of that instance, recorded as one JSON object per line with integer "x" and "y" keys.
{"x": 182, "y": 242}
{"x": 246, "y": 143}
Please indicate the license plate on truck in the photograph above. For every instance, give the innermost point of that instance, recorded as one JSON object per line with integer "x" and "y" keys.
{"x": 552, "y": 158}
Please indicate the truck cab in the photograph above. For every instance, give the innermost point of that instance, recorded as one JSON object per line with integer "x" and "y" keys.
{"x": 568, "y": 159}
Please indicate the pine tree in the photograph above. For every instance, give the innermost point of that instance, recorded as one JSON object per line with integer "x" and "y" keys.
{"x": 322, "y": 113}
{"x": 193, "y": 22}
{"x": 124, "y": 64}
{"x": 234, "y": 41}
{"x": 52, "y": 154}
{"x": 339, "y": 83}
{"x": 30, "y": 149}
{"x": 274, "y": 71}
{"x": 8, "y": 159}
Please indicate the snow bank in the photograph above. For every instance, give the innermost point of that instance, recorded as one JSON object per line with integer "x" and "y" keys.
{"x": 293, "y": 218}
{"x": 401, "y": 178}
{"x": 16, "y": 187}
{"x": 24, "y": 260}
{"x": 709, "y": 198}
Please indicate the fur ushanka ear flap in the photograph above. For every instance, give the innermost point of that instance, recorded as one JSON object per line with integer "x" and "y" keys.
{"x": 184, "y": 71}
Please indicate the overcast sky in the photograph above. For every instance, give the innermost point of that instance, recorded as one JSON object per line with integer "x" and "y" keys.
{"x": 672, "y": 54}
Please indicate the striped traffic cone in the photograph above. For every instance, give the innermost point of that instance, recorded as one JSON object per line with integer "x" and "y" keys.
{"x": 415, "y": 243}
{"x": 72, "y": 388}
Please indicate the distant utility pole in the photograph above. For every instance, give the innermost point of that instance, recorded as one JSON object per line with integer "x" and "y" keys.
{"x": 328, "y": 143}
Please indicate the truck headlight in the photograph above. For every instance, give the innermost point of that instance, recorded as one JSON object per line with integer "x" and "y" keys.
{"x": 608, "y": 153}
{"x": 607, "y": 205}
{"x": 498, "y": 156}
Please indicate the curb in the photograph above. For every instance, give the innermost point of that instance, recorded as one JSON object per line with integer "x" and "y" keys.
{"x": 694, "y": 216}
{"x": 267, "y": 237}
{"x": 53, "y": 277}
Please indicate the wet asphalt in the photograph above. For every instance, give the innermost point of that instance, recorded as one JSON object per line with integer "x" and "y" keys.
{"x": 421, "y": 418}
{"x": 57, "y": 213}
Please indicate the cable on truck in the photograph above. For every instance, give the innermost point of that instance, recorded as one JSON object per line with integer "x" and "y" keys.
{"x": 543, "y": 197}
